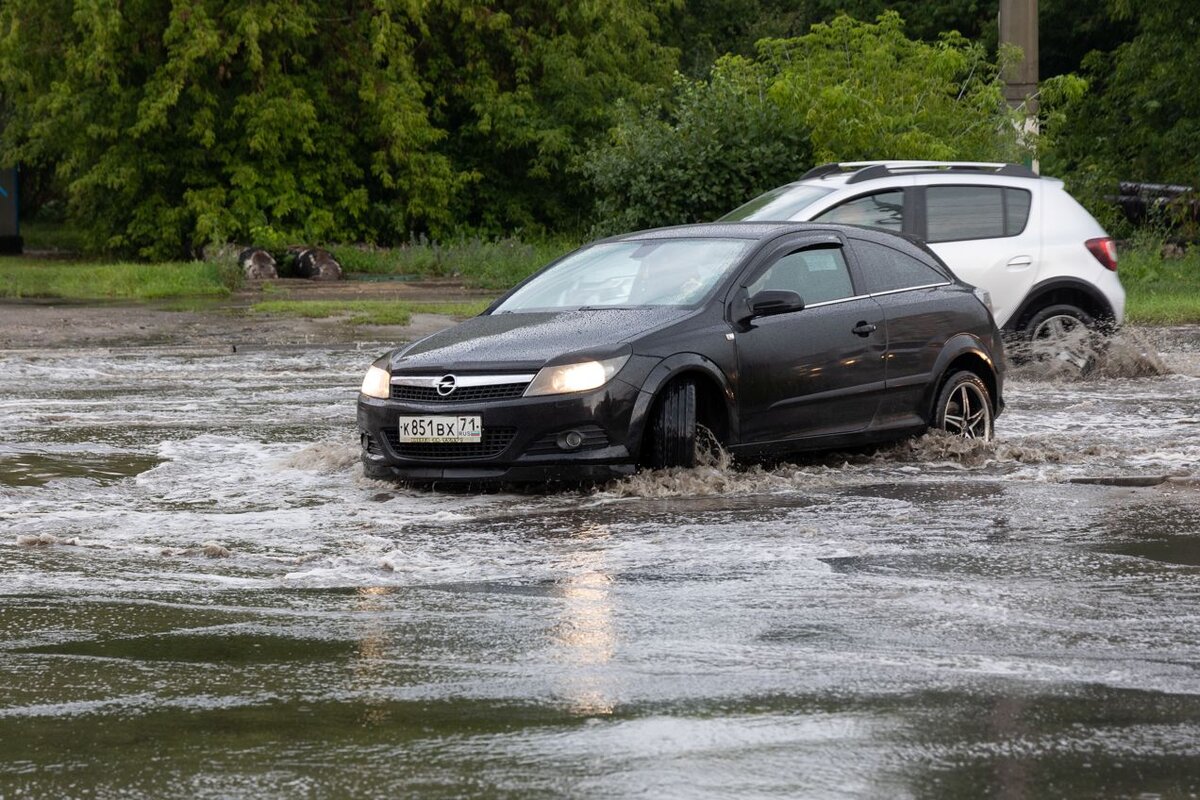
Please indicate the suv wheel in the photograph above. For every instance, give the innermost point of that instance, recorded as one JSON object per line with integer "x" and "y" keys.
{"x": 1061, "y": 332}
{"x": 1058, "y": 321}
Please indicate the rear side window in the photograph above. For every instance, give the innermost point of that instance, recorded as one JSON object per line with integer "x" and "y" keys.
{"x": 957, "y": 213}
{"x": 883, "y": 210}
{"x": 887, "y": 270}
{"x": 818, "y": 275}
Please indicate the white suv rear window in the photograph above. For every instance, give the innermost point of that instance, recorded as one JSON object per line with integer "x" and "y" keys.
{"x": 956, "y": 213}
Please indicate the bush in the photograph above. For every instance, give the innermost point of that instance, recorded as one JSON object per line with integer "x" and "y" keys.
{"x": 847, "y": 91}
{"x": 171, "y": 126}
{"x": 708, "y": 144}
{"x": 866, "y": 91}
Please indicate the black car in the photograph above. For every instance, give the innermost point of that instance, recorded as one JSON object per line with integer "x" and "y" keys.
{"x": 770, "y": 337}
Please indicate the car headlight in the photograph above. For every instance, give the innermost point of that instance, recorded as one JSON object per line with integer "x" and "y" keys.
{"x": 575, "y": 377}
{"x": 377, "y": 383}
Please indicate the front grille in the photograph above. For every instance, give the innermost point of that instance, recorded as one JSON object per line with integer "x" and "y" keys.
{"x": 463, "y": 394}
{"x": 594, "y": 438}
{"x": 493, "y": 442}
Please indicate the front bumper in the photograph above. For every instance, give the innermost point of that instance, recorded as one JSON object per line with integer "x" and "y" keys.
{"x": 520, "y": 438}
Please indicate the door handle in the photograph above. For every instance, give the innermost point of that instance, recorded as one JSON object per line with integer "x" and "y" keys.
{"x": 864, "y": 328}
{"x": 1019, "y": 262}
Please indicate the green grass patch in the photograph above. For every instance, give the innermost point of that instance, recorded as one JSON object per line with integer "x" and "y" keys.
{"x": 1160, "y": 291}
{"x": 30, "y": 277}
{"x": 496, "y": 264}
{"x": 367, "y": 312}
{"x": 55, "y": 237}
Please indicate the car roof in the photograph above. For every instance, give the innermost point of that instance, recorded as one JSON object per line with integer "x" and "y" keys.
{"x": 849, "y": 172}
{"x": 730, "y": 230}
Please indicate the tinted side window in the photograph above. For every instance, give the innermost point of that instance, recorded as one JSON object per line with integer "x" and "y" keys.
{"x": 956, "y": 213}
{"x": 884, "y": 210}
{"x": 887, "y": 269}
{"x": 1016, "y": 211}
{"x": 817, "y": 275}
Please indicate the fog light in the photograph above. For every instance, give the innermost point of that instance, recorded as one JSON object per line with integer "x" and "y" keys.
{"x": 570, "y": 440}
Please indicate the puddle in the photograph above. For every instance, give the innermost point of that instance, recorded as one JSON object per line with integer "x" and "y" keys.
{"x": 34, "y": 469}
{"x": 1162, "y": 531}
{"x": 225, "y": 647}
{"x": 198, "y": 576}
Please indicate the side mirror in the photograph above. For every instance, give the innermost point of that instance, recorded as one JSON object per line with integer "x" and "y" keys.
{"x": 770, "y": 302}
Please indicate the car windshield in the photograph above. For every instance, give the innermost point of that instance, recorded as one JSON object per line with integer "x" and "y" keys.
{"x": 663, "y": 272}
{"x": 779, "y": 204}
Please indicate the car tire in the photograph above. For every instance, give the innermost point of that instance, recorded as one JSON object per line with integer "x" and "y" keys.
{"x": 672, "y": 441}
{"x": 375, "y": 472}
{"x": 1061, "y": 332}
{"x": 1056, "y": 320}
{"x": 964, "y": 407}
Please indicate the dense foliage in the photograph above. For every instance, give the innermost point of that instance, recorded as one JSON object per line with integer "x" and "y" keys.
{"x": 846, "y": 91}
{"x": 161, "y": 126}
{"x": 707, "y": 146}
{"x": 170, "y": 124}
{"x": 1140, "y": 117}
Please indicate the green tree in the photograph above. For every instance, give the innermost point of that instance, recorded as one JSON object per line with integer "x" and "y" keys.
{"x": 688, "y": 158}
{"x": 174, "y": 124}
{"x": 1140, "y": 117}
{"x": 521, "y": 87}
{"x": 705, "y": 29}
{"x": 845, "y": 91}
{"x": 170, "y": 124}
{"x": 867, "y": 91}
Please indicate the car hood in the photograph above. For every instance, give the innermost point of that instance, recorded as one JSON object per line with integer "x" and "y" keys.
{"x": 531, "y": 340}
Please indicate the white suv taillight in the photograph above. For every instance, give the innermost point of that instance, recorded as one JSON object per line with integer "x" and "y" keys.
{"x": 1105, "y": 251}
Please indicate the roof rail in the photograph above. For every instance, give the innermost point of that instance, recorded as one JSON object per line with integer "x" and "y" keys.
{"x": 869, "y": 170}
{"x": 821, "y": 171}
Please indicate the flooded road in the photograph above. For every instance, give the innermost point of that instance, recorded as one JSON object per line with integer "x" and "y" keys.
{"x": 201, "y": 596}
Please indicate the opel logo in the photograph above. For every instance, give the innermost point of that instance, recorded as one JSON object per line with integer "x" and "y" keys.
{"x": 445, "y": 385}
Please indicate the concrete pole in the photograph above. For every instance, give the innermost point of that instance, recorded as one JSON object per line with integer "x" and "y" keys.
{"x": 1019, "y": 26}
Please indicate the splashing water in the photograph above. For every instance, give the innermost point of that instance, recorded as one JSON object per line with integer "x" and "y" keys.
{"x": 1083, "y": 355}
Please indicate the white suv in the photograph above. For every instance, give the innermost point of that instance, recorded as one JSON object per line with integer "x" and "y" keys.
{"x": 1047, "y": 264}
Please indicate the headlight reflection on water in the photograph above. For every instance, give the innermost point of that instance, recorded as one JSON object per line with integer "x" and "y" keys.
{"x": 372, "y": 660}
{"x": 585, "y": 637}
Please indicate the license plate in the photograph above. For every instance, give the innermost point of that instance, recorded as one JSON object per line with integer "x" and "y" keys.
{"x": 441, "y": 429}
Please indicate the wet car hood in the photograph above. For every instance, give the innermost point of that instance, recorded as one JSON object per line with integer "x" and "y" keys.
{"x": 534, "y": 339}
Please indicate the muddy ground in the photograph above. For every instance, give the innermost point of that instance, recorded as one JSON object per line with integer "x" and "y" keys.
{"x": 55, "y": 323}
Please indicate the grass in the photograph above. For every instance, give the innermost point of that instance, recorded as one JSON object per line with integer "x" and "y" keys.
{"x": 367, "y": 312}
{"x": 1160, "y": 291}
{"x": 54, "y": 237}
{"x": 28, "y": 277}
{"x": 496, "y": 264}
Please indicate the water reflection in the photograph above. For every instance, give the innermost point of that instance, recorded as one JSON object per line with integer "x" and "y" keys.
{"x": 585, "y": 637}
{"x": 370, "y": 663}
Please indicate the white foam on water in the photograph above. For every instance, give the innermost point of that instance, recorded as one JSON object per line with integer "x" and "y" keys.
{"x": 258, "y": 454}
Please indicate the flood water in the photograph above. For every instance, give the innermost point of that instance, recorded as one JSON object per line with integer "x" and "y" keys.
{"x": 201, "y": 596}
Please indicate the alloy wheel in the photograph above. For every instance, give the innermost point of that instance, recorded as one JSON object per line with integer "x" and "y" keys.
{"x": 967, "y": 412}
